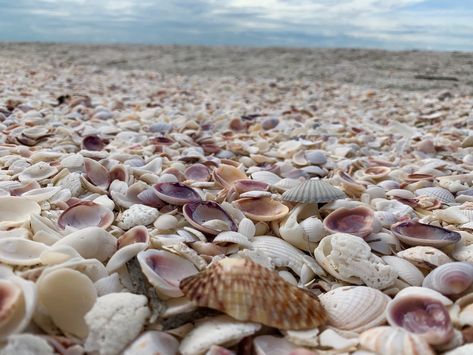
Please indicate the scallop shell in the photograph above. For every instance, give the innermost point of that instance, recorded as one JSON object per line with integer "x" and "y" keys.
{"x": 262, "y": 209}
{"x": 313, "y": 191}
{"x": 249, "y": 292}
{"x": 394, "y": 341}
{"x": 450, "y": 278}
{"x": 355, "y": 308}
{"x": 438, "y": 192}
{"x": 247, "y": 228}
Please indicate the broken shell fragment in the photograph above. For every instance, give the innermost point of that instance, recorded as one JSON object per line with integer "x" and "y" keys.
{"x": 357, "y": 221}
{"x": 86, "y": 214}
{"x": 249, "y": 292}
{"x": 198, "y": 213}
{"x": 262, "y": 209}
{"x": 415, "y": 233}
{"x": 176, "y": 193}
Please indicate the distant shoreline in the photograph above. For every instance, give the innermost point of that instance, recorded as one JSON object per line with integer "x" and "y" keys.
{"x": 411, "y": 70}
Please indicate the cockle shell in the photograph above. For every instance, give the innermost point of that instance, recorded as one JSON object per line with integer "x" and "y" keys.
{"x": 313, "y": 191}
{"x": 421, "y": 312}
{"x": 349, "y": 258}
{"x": 450, "y": 278}
{"x": 438, "y": 192}
{"x": 176, "y": 193}
{"x": 233, "y": 238}
{"x": 67, "y": 295}
{"x": 198, "y": 213}
{"x": 86, "y": 214}
{"x": 354, "y": 308}
{"x": 249, "y": 292}
{"x": 394, "y": 341}
{"x": 17, "y": 210}
{"x": 165, "y": 270}
{"x": 262, "y": 209}
{"x": 415, "y": 233}
{"x": 247, "y": 228}
{"x": 356, "y": 221}
{"x": 220, "y": 330}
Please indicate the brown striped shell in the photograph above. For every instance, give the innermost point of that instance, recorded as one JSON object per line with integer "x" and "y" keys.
{"x": 248, "y": 291}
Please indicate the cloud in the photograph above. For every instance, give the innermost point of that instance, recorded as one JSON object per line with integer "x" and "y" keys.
{"x": 395, "y": 24}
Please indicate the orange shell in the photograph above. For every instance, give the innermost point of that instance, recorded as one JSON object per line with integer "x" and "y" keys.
{"x": 248, "y": 291}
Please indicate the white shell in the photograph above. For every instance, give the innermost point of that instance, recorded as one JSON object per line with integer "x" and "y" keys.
{"x": 233, "y": 237}
{"x": 266, "y": 176}
{"x": 450, "y": 278}
{"x": 272, "y": 345}
{"x": 355, "y": 308}
{"x": 313, "y": 191}
{"x": 17, "y": 210}
{"x": 114, "y": 321}
{"x": 153, "y": 342}
{"x": 41, "y": 194}
{"x": 247, "y": 228}
{"x": 438, "y": 192}
{"x": 138, "y": 215}
{"x": 166, "y": 222}
{"x": 38, "y": 172}
{"x": 220, "y": 330}
{"x": 406, "y": 271}
{"x": 19, "y": 251}
{"x": 424, "y": 257}
{"x": 26, "y": 344}
{"x": 453, "y": 215}
{"x": 349, "y": 258}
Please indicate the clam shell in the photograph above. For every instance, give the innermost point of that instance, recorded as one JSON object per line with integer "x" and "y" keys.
{"x": 394, "y": 341}
{"x": 262, "y": 209}
{"x": 86, "y": 214}
{"x": 197, "y": 172}
{"x": 220, "y": 330}
{"x": 165, "y": 270}
{"x": 96, "y": 174}
{"x": 245, "y": 185}
{"x": 313, "y": 191}
{"x": 249, "y": 292}
{"x": 166, "y": 222}
{"x": 424, "y": 257}
{"x": 197, "y": 213}
{"x": 41, "y": 194}
{"x": 356, "y": 221}
{"x": 19, "y": 251}
{"x": 37, "y": 172}
{"x": 438, "y": 192}
{"x": 176, "y": 193}
{"x": 450, "y": 278}
{"x": 67, "y": 295}
{"x": 354, "y": 308}
{"x": 17, "y": 210}
{"x": 415, "y": 233}
{"x": 226, "y": 175}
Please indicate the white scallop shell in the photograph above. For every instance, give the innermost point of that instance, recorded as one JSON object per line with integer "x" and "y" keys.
{"x": 438, "y": 192}
{"x": 355, "y": 308}
{"x": 313, "y": 191}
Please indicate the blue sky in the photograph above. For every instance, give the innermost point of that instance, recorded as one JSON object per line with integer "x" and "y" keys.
{"x": 388, "y": 24}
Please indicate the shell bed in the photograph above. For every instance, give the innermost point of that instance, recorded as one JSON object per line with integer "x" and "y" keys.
{"x": 144, "y": 213}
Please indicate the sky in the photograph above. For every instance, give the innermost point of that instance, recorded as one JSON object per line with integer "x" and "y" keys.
{"x": 387, "y": 24}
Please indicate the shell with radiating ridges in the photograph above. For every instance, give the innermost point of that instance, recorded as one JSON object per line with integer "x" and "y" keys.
{"x": 248, "y": 291}
{"x": 354, "y": 308}
{"x": 394, "y": 341}
{"x": 438, "y": 192}
{"x": 313, "y": 191}
{"x": 450, "y": 278}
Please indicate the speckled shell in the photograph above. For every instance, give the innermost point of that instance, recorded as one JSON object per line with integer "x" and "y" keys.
{"x": 249, "y": 292}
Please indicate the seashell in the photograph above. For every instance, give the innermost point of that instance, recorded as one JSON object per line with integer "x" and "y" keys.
{"x": 374, "y": 173}
{"x": 406, "y": 271}
{"x": 452, "y": 215}
{"x": 114, "y": 321}
{"x": 153, "y": 342}
{"x": 393, "y": 206}
{"x": 394, "y": 341}
{"x": 233, "y": 237}
{"x": 415, "y": 233}
{"x": 450, "y": 278}
{"x": 153, "y": 166}
{"x": 67, "y": 295}
{"x": 302, "y": 337}
{"x": 17, "y": 304}
{"x": 220, "y": 330}
{"x": 255, "y": 194}
{"x": 385, "y": 218}
{"x": 246, "y": 185}
{"x": 129, "y": 244}
{"x": 269, "y": 344}
{"x": 138, "y": 215}
{"x": 96, "y": 174}
{"x": 197, "y": 172}
{"x": 438, "y": 192}
{"x": 197, "y": 213}
{"x": 421, "y": 314}
{"x": 91, "y": 243}
{"x": 165, "y": 270}
{"x": 226, "y": 175}
{"x": 465, "y": 349}
{"x": 349, "y": 258}
{"x": 313, "y": 191}
{"x": 86, "y": 214}
{"x": 401, "y": 193}
{"x": 166, "y": 222}
{"x": 331, "y": 339}
{"x": 356, "y": 221}
{"x": 262, "y": 209}
{"x": 266, "y": 177}
{"x": 247, "y": 228}
{"x": 349, "y": 186}
{"x": 19, "y": 251}
{"x": 17, "y": 210}
{"x": 176, "y": 193}
{"x": 424, "y": 257}
{"x": 305, "y": 234}
{"x": 93, "y": 142}
{"x": 354, "y": 308}
{"x": 27, "y": 344}
{"x": 37, "y": 172}
{"x": 220, "y": 287}
{"x": 316, "y": 157}
{"x": 463, "y": 252}
{"x": 384, "y": 243}
{"x": 41, "y": 194}
{"x": 388, "y": 185}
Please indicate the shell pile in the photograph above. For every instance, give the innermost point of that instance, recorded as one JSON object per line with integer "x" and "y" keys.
{"x": 142, "y": 213}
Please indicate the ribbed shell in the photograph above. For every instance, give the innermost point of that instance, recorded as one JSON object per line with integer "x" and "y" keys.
{"x": 313, "y": 191}
{"x": 248, "y": 291}
{"x": 438, "y": 192}
{"x": 355, "y": 308}
{"x": 451, "y": 278}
